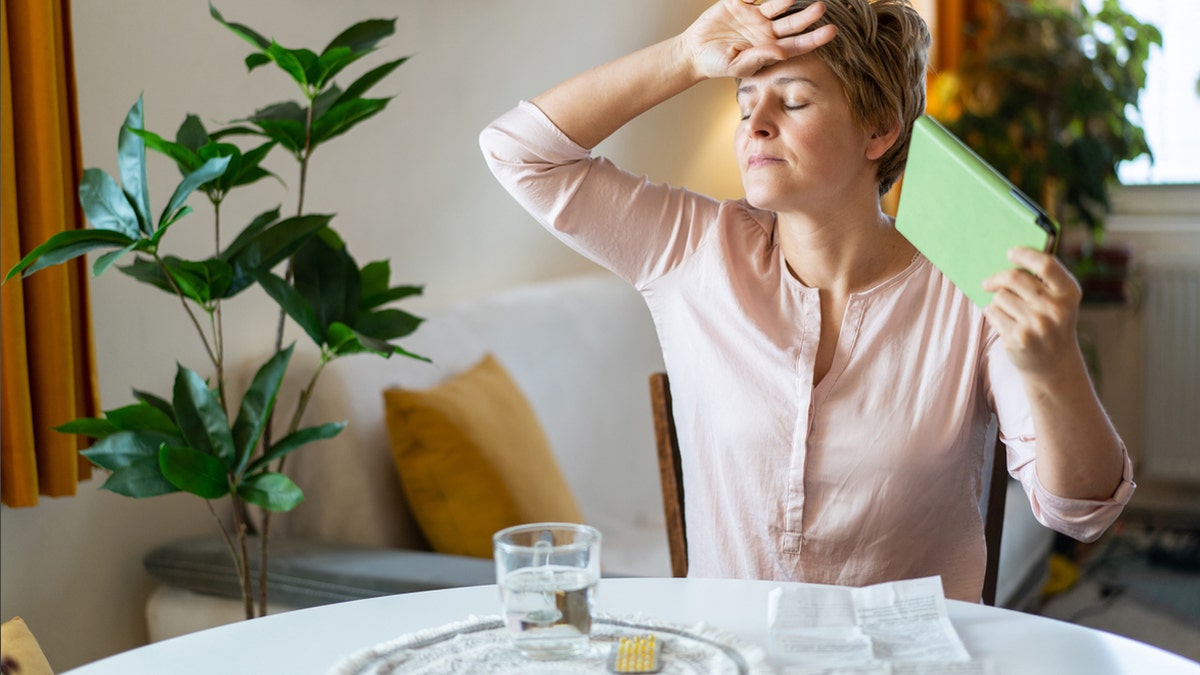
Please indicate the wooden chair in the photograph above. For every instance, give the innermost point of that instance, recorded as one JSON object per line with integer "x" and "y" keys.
{"x": 671, "y": 475}
{"x": 993, "y": 517}
{"x": 670, "y": 472}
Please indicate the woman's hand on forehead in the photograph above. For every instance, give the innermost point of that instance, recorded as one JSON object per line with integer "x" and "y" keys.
{"x": 737, "y": 38}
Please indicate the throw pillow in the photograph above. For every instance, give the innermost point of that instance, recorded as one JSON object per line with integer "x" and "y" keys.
{"x": 473, "y": 459}
{"x": 19, "y": 650}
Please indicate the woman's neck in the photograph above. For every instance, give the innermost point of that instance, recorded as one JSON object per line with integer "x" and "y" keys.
{"x": 843, "y": 252}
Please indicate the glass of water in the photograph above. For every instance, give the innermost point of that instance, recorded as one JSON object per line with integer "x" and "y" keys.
{"x": 547, "y": 574}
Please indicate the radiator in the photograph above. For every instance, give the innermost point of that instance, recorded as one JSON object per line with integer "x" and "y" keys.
{"x": 1172, "y": 451}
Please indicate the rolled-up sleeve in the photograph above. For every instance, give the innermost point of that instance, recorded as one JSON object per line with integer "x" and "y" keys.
{"x": 1081, "y": 519}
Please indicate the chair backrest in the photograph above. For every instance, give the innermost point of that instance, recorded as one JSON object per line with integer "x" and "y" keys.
{"x": 671, "y": 474}
{"x": 996, "y": 472}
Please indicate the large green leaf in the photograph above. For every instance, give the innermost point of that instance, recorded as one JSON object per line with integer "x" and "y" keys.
{"x": 245, "y": 32}
{"x": 150, "y": 272}
{"x": 193, "y": 471}
{"x": 257, "y": 405}
{"x": 294, "y": 305}
{"x": 215, "y": 149}
{"x": 202, "y": 281}
{"x": 106, "y": 205}
{"x": 235, "y": 131}
{"x": 262, "y": 245}
{"x": 325, "y": 100}
{"x": 124, "y": 448}
{"x": 328, "y": 279}
{"x": 157, "y": 402}
{"x": 185, "y": 157}
{"x": 294, "y": 62}
{"x": 248, "y": 169}
{"x": 344, "y": 116}
{"x": 288, "y": 133}
{"x": 271, "y": 491}
{"x": 374, "y": 277}
{"x": 387, "y": 324}
{"x": 105, "y": 261}
{"x": 363, "y": 36}
{"x": 390, "y": 295}
{"x": 293, "y": 442}
{"x": 192, "y": 134}
{"x": 208, "y": 171}
{"x": 250, "y": 232}
{"x": 92, "y": 427}
{"x": 64, "y": 246}
{"x": 141, "y": 417}
{"x": 286, "y": 110}
{"x": 142, "y": 478}
{"x": 265, "y": 245}
{"x": 369, "y": 79}
{"x": 344, "y": 341}
{"x": 131, "y": 160}
{"x": 201, "y": 418}
{"x": 329, "y": 64}
{"x": 256, "y": 59}
{"x": 375, "y": 291}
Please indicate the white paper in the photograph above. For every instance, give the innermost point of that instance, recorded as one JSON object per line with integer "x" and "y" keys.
{"x": 892, "y": 628}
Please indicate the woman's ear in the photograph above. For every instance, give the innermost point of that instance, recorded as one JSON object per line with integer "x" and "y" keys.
{"x": 881, "y": 140}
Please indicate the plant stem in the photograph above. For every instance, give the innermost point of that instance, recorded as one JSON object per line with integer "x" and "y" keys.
{"x": 305, "y": 155}
{"x": 266, "y": 438}
{"x": 239, "y": 562}
{"x": 186, "y": 308}
{"x": 240, "y": 524}
{"x": 288, "y": 274}
{"x": 262, "y": 570}
{"x": 301, "y": 405}
{"x": 218, "y": 327}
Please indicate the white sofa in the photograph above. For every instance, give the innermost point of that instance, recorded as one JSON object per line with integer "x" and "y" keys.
{"x": 581, "y": 349}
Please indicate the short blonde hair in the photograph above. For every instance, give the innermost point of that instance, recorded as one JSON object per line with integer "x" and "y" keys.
{"x": 880, "y": 56}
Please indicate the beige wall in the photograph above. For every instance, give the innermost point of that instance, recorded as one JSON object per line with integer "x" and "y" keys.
{"x": 409, "y": 185}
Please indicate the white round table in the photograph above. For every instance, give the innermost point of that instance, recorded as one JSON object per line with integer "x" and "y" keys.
{"x": 314, "y": 640}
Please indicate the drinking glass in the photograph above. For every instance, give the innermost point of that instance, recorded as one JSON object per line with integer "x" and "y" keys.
{"x": 547, "y": 574}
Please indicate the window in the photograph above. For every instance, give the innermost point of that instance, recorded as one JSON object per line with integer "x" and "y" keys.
{"x": 1170, "y": 104}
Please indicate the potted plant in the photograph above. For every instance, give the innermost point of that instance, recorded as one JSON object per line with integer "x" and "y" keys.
{"x": 1046, "y": 95}
{"x": 195, "y": 437}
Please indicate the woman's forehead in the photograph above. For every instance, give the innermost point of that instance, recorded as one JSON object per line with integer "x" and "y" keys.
{"x": 805, "y": 70}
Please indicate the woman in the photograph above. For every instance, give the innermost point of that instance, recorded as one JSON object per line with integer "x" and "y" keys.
{"x": 831, "y": 388}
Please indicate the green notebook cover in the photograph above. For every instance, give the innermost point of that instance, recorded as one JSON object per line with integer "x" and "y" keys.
{"x": 962, "y": 214}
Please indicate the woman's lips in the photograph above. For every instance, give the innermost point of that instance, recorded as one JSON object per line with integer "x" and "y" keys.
{"x": 760, "y": 160}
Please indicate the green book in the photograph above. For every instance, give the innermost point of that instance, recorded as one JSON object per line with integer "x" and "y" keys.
{"x": 962, "y": 214}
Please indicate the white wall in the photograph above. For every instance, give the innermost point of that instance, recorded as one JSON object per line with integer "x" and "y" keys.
{"x": 409, "y": 185}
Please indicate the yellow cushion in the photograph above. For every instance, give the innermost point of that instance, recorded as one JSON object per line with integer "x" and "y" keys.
{"x": 473, "y": 459}
{"x": 19, "y": 650}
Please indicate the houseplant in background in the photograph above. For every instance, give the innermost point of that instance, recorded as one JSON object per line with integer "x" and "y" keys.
{"x": 195, "y": 440}
{"x": 1046, "y": 96}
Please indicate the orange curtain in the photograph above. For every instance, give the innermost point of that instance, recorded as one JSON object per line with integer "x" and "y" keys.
{"x": 48, "y": 368}
{"x": 950, "y": 40}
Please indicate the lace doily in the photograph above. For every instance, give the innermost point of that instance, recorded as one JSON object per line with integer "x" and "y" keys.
{"x": 482, "y": 645}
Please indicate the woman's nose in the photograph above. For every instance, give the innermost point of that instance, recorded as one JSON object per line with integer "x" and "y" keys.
{"x": 760, "y": 123}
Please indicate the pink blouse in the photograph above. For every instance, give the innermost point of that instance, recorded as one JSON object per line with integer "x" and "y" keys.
{"x": 872, "y": 475}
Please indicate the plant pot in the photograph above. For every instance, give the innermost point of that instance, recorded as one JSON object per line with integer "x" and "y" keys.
{"x": 1102, "y": 271}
